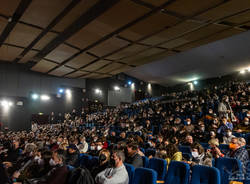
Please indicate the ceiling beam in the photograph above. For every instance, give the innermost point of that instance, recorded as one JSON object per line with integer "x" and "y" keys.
{"x": 95, "y": 11}
{"x": 48, "y": 28}
{"x": 23, "y": 5}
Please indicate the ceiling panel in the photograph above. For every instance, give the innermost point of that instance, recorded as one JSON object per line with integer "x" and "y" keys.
{"x": 108, "y": 46}
{"x": 144, "y": 54}
{"x": 195, "y": 35}
{"x": 8, "y": 53}
{"x": 80, "y": 60}
{"x": 44, "y": 40}
{"x": 28, "y": 56}
{"x": 240, "y": 18}
{"x": 76, "y": 12}
{"x": 61, "y": 53}
{"x": 96, "y": 65}
{"x": 8, "y": 8}
{"x": 92, "y": 75}
{"x": 101, "y": 76}
{"x": 156, "y": 2}
{"x": 215, "y": 37}
{"x": 172, "y": 32}
{"x": 43, "y": 66}
{"x": 117, "y": 16}
{"x": 127, "y": 51}
{"x": 61, "y": 71}
{"x": 228, "y": 8}
{"x": 35, "y": 13}
{"x": 191, "y": 7}
{"x": 3, "y": 23}
{"x": 110, "y": 67}
{"x": 123, "y": 69}
{"x": 22, "y": 35}
{"x": 76, "y": 74}
{"x": 149, "y": 25}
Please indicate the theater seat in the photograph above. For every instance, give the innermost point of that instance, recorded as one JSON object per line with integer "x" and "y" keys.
{"x": 131, "y": 172}
{"x": 205, "y": 175}
{"x": 230, "y": 169}
{"x": 178, "y": 173}
{"x": 145, "y": 176}
{"x": 160, "y": 166}
{"x": 70, "y": 168}
{"x": 145, "y": 161}
{"x": 185, "y": 149}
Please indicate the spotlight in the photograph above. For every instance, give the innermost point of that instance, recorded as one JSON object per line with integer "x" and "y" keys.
{"x": 45, "y": 97}
{"x": 61, "y": 90}
{"x": 68, "y": 91}
{"x": 34, "y": 96}
{"x": 248, "y": 69}
{"x": 98, "y": 91}
{"x": 242, "y": 72}
{"x": 116, "y": 88}
{"x": 133, "y": 86}
{"x": 129, "y": 82}
{"x": 195, "y": 82}
{"x": 4, "y": 103}
{"x": 10, "y": 104}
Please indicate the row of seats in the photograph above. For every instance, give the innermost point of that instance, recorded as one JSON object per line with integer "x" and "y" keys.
{"x": 226, "y": 167}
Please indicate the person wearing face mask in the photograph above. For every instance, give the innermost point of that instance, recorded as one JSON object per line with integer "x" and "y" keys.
{"x": 116, "y": 173}
{"x": 239, "y": 152}
{"x": 103, "y": 162}
{"x": 72, "y": 155}
{"x": 83, "y": 145}
{"x": 189, "y": 128}
{"x": 132, "y": 156}
{"x": 224, "y": 108}
{"x": 228, "y": 137}
{"x": 199, "y": 157}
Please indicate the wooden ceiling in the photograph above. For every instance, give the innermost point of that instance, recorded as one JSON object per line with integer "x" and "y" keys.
{"x": 97, "y": 39}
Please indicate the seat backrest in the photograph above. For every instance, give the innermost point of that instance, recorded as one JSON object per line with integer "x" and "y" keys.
{"x": 185, "y": 149}
{"x": 229, "y": 168}
{"x": 145, "y": 176}
{"x": 85, "y": 160}
{"x": 160, "y": 166}
{"x": 205, "y": 175}
{"x": 145, "y": 161}
{"x": 131, "y": 172}
{"x": 178, "y": 173}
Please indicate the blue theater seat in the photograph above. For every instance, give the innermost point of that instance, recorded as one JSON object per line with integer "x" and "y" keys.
{"x": 160, "y": 166}
{"x": 205, "y": 175}
{"x": 131, "y": 172}
{"x": 145, "y": 161}
{"x": 145, "y": 176}
{"x": 178, "y": 173}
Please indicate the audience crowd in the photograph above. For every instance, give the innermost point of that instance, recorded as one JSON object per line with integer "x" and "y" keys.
{"x": 155, "y": 128}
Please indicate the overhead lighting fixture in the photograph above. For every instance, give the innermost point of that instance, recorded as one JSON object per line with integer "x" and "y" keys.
{"x": 116, "y": 88}
{"x": 98, "y": 91}
{"x": 34, "y": 96}
{"x": 6, "y": 104}
{"x": 61, "y": 90}
{"x": 129, "y": 82}
{"x": 242, "y": 72}
{"x": 45, "y": 97}
{"x": 195, "y": 82}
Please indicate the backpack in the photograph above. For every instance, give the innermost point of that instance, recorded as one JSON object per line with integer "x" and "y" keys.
{"x": 80, "y": 176}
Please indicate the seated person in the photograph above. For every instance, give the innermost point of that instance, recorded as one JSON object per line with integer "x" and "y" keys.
{"x": 173, "y": 153}
{"x": 199, "y": 156}
{"x": 117, "y": 173}
{"x": 104, "y": 161}
{"x": 238, "y": 152}
{"x": 215, "y": 151}
{"x": 72, "y": 155}
{"x": 228, "y": 137}
{"x": 133, "y": 157}
{"x": 188, "y": 141}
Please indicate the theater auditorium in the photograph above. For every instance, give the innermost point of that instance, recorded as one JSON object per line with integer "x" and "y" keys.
{"x": 124, "y": 91}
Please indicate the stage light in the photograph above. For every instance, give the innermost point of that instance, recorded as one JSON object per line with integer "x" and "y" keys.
{"x": 10, "y": 104}
{"x": 116, "y": 88}
{"x": 61, "y": 90}
{"x": 248, "y": 69}
{"x": 195, "y": 82}
{"x": 68, "y": 91}
{"x": 34, "y": 96}
{"x": 98, "y": 91}
{"x": 45, "y": 97}
{"x": 4, "y": 103}
{"x": 242, "y": 72}
{"x": 129, "y": 82}
{"x": 133, "y": 86}
{"x": 149, "y": 88}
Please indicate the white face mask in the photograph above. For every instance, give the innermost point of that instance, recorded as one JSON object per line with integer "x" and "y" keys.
{"x": 229, "y": 134}
{"x": 92, "y": 147}
{"x": 246, "y": 123}
{"x": 195, "y": 154}
{"x": 188, "y": 122}
{"x": 52, "y": 162}
{"x": 99, "y": 148}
